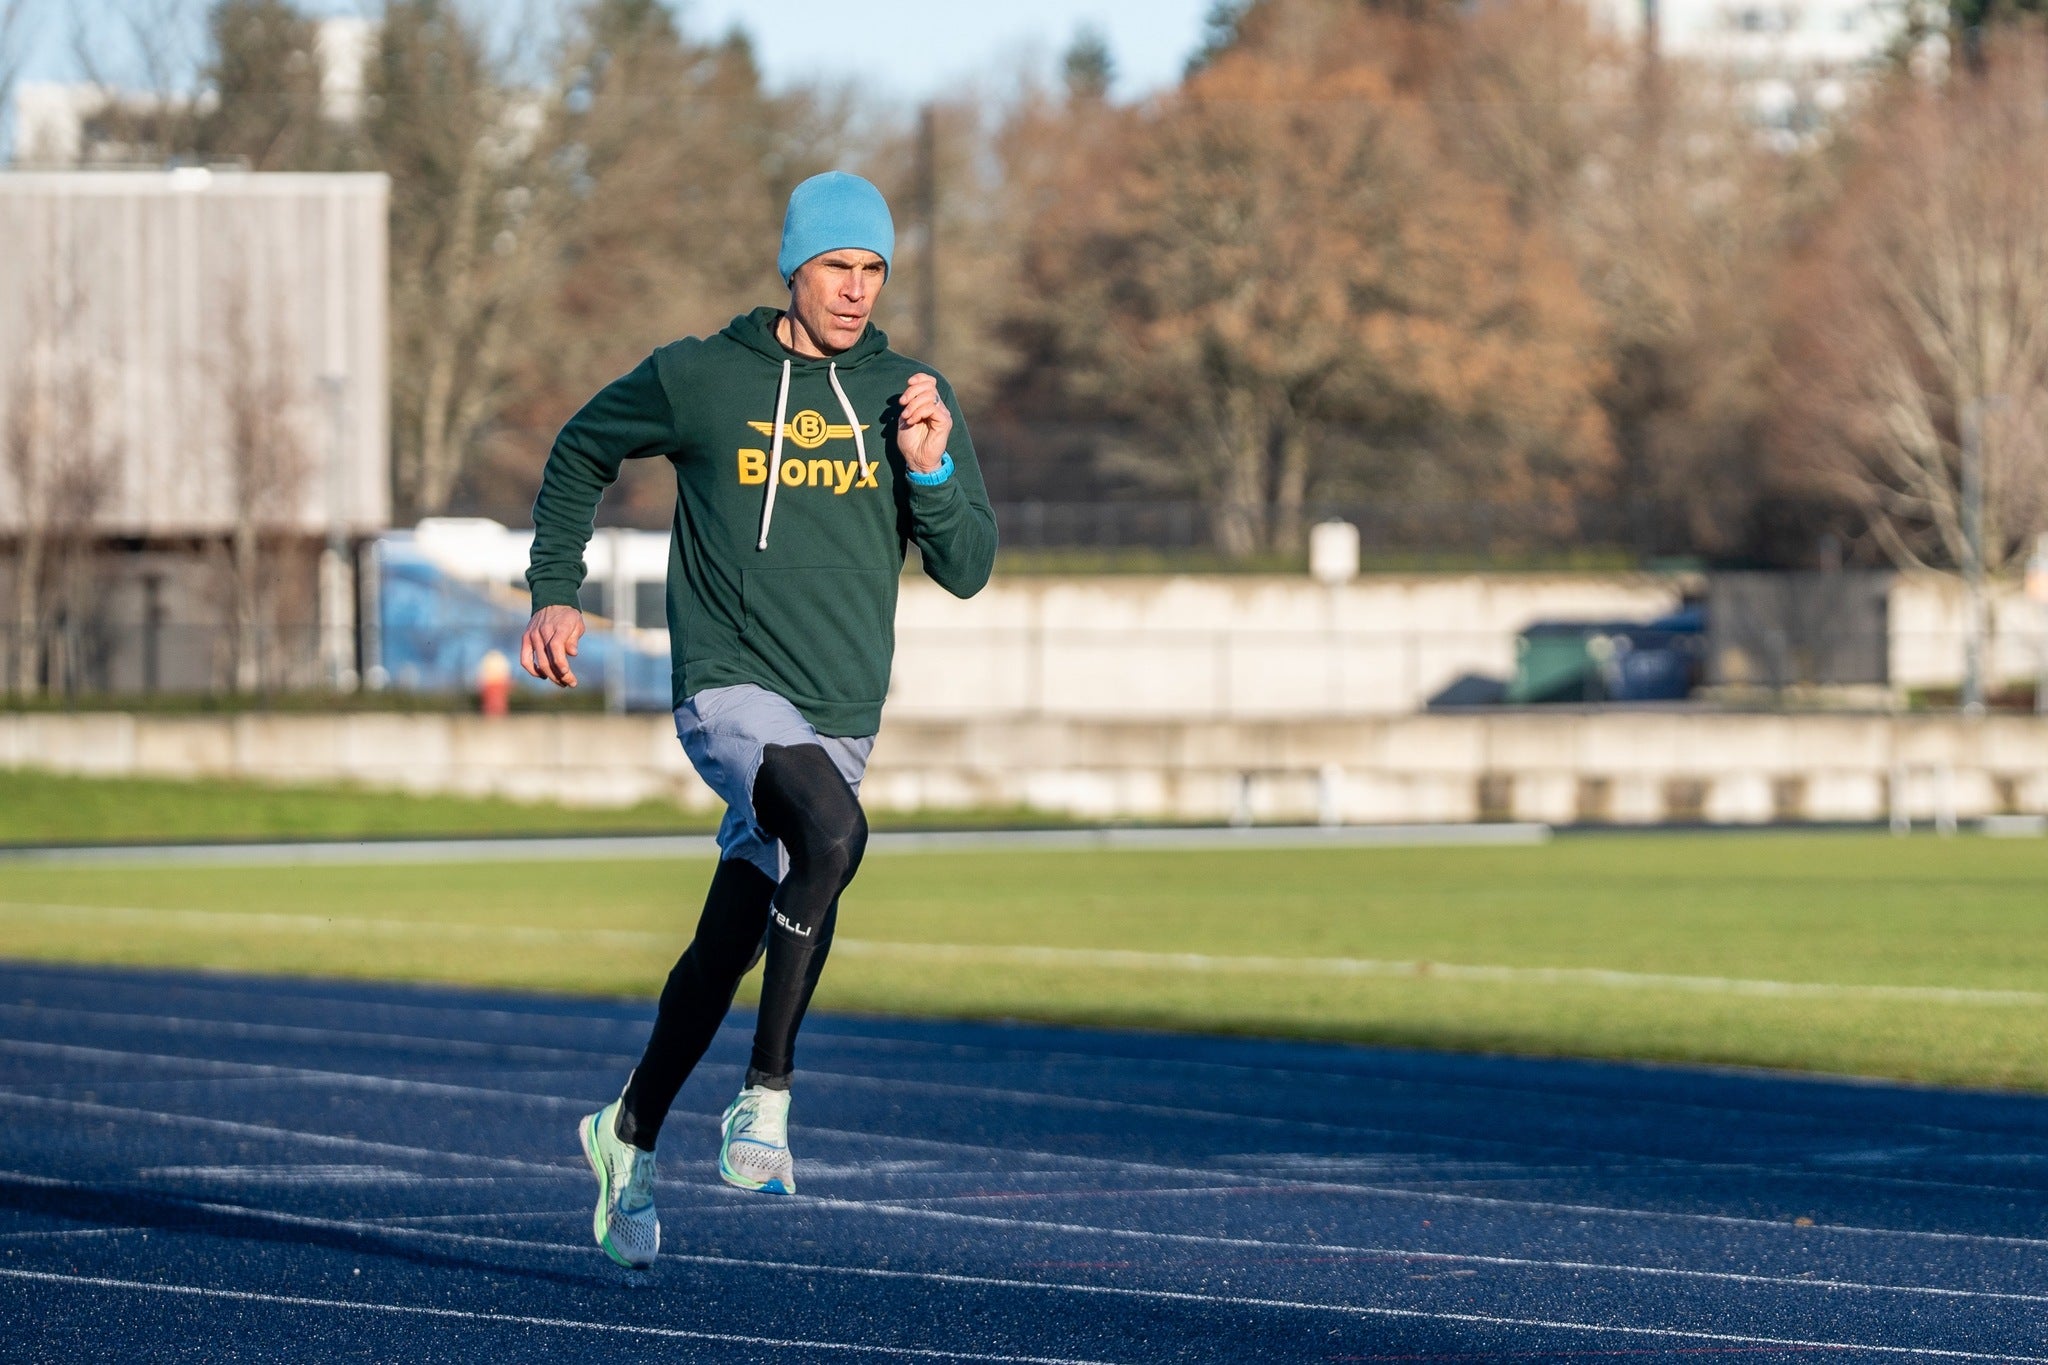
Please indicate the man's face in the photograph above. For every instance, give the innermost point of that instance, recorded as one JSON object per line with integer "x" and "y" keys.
{"x": 833, "y": 294}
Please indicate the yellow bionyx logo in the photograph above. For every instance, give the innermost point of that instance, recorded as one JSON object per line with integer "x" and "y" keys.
{"x": 808, "y": 430}
{"x": 840, "y": 476}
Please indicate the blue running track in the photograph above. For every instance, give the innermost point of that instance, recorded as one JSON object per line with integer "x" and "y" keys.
{"x": 231, "y": 1168}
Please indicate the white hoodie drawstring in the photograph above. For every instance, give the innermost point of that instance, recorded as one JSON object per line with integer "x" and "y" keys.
{"x": 775, "y": 455}
{"x": 860, "y": 447}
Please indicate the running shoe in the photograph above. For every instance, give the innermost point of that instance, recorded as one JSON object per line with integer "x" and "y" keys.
{"x": 625, "y": 1225}
{"x": 754, "y": 1153}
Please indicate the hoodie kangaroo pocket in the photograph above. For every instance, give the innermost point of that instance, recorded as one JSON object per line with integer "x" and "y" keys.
{"x": 829, "y": 633}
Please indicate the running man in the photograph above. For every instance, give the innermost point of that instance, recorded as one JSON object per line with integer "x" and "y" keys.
{"x": 807, "y": 456}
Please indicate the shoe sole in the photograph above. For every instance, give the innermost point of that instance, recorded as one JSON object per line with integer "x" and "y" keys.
{"x": 740, "y": 1182}
{"x": 586, "y": 1132}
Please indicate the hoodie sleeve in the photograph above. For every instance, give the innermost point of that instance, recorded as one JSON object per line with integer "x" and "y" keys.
{"x": 952, "y": 524}
{"x": 630, "y": 418}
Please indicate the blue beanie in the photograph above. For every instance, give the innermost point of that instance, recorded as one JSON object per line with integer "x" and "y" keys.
{"x": 832, "y": 211}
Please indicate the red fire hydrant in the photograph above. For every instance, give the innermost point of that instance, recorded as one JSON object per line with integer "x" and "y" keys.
{"x": 494, "y": 684}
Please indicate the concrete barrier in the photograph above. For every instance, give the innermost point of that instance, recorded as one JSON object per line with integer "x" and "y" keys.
{"x": 1625, "y": 767}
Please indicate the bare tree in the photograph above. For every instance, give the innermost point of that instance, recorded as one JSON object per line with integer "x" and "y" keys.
{"x": 963, "y": 179}
{"x": 14, "y": 35}
{"x": 659, "y": 168}
{"x": 467, "y": 149}
{"x": 1925, "y": 312}
{"x": 267, "y": 466}
{"x": 142, "y": 57}
{"x": 263, "y": 76}
{"x": 57, "y": 458}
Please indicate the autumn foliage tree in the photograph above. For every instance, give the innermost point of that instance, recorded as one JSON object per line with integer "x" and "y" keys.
{"x": 1679, "y": 216}
{"x": 1277, "y": 276}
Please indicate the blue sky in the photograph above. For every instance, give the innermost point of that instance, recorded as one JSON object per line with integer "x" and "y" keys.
{"x": 910, "y": 48}
{"x": 941, "y": 44}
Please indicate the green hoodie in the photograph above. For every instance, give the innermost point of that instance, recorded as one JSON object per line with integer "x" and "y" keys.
{"x": 796, "y": 593}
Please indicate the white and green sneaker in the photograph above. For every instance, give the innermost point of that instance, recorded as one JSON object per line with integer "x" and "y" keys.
{"x": 754, "y": 1152}
{"x": 625, "y": 1225}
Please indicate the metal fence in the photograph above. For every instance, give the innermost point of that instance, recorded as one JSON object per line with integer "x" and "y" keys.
{"x": 101, "y": 658}
{"x": 1478, "y": 532}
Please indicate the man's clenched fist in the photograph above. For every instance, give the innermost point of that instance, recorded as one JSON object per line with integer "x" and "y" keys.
{"x": 924, "y": 425}
{"x": 549, "y": 644}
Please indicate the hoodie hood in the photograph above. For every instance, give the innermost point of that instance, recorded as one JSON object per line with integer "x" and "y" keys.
{"x": 756, "y": 332}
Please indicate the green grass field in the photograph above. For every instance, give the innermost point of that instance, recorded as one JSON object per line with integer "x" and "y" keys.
{"x": 44, "y": 808}
{"x": 1855, "y": 915}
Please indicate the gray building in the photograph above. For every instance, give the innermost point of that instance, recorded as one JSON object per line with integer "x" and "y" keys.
{"x": 194, "y": 425}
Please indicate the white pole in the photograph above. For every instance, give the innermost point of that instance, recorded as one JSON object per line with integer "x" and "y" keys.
{"x": 1973, "y": 557}
{"x": 337, "y": 598}
{"x": 1330, "y": 795}
{"x": 619, "y": 603}
{"x": 1242, "y": 815}
{"x": 2037, "y": 590}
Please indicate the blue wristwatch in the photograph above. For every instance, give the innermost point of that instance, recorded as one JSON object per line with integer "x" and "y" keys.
{"x": 936, "y": 477}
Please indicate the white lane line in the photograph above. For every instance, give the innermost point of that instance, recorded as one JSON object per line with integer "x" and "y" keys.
{"x": 925, "y": 1047}
{"x": 512, "y": 1216}
{"x": 526, "y": 1320}
{"x": 177, "y": 1024}
{"x": 1012, "y": 1155}
{"x": 69, "y": 1232}
{"x": 311, "y": 1034}
{"x": 238, "y": 1128}
{"x": 263, "y": 1070}
{"x": 1029, "y": 1098}
{"x": 1025, "y": 955}
{"x": 359, "y": 1080}
{"x": 298, "y": 1033}
{"x": 893, "y": 1208}
{"x": 1642, "y": 1163}
{"x": 1156, "y": 1295}
{"x": 155, "y": 987}
{"x": 1419, "y": 970}
{"x": 1215, "y": 838}
{"x": 1037, "y": 1099}
{"x": 316, "y": 1176}
{"x": 272, "y": 922}
{"x": 635, "y": 1030}
{"x": 1382, "y": 1081}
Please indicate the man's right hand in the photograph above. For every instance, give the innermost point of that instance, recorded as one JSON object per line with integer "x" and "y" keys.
{"x": 549, "y": 644}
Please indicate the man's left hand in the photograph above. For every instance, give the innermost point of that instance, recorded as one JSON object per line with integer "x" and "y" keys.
{"x": 924, "y": 425}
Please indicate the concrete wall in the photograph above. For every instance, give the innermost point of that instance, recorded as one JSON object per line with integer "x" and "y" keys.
{"x": 1229, "y": 646}
{"x": 1223, "y": 646}
{"x": 1928, "y": 617}
{"x": 1627, "y": 767}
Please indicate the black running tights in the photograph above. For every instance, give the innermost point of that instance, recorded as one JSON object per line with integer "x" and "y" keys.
{"x": 800, "y": 800}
